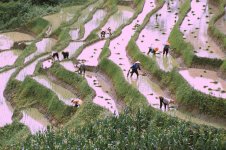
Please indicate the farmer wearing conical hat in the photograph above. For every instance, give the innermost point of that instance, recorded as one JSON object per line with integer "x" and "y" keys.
{"x": 154, "y": 51}
{"x": 134, "y": 68}
{"x": 166, "y": 48}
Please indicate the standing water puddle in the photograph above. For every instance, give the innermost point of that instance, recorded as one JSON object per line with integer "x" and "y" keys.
{"x": 205, "y": 81}
{"x": 63, "y": 94}
{"x": 102, "y": 97}
{"x": 72, "y": 48}
{"x": 7, "y": 39}
{"x": 120, "y": 17}
{"x": 91, "y": 53}
{"x": 118, "y": 55}
{"x": 94, "y": 23}
{"x": 7, "y": 58}
{"x": 34, "y": 120}
{"x": 74, "y": 34}
{"x": 221, "y": 23}
{"x": 28, "y": 70}
{"x": 45, "y": 45}
{"x": 195, "y": 29}
{"x": 65, "y": 15}
{"x": 100, "y": 86}
{"x": 157, "y": 31}
{"x": 6, "y": 110}
{"x": 85, "y": 13}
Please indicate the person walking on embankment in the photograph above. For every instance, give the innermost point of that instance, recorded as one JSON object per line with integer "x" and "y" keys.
{"x": 134, "y": 69}
{"x": 166, "y": 48}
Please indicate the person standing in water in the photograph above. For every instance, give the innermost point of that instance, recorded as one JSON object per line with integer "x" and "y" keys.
{"x": 166, "y": 48}
{"x": 165, "y": 102}
{"x": 153, "y": 51}
{"x": 134, "y": 68}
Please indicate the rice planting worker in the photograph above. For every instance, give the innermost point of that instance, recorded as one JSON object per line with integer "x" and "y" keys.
{"x": 81, "y": 67}
{"x": 153, "y": 51}
{"x": 166, "y": 48}
{"x": 134, "y": 68}
{"x": 165, "y": 102}
{"x": 102, "y": 34}
{"x": 109, "y": 31}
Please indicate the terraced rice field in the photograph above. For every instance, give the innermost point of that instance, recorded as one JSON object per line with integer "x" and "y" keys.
{"x": 151, "y": 27}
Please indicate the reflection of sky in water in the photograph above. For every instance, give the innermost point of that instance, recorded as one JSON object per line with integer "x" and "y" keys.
{"x": 8, "y": 57}
{"x": 102, "y": 98}
{"x": 6, "y": 110}
{"x": 94, "y": 22}
{"x": 157, "y": 31}
{"x": 34, "y": 120}
{"x": 195, "y": 29}
{"x": 209, "y": 80}
{"x": 119, "y": 57}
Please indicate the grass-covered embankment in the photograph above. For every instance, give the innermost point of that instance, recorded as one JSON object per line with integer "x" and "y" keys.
{"x": 89, "y": 111}
{"x": 185, "y": 49}
{"x": 10, "y": 134}
{"x": 184, "y": 93}
{"x": 147, "y": 129}
{"x": 30, "y": 93}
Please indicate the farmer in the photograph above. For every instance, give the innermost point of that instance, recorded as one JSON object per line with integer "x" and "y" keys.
{"x": 165, "y": 101}
{"x": 81, "y": 68}
{"x": 134, "y": 68}
{"x": 102, "y": 34}
{"x": 55, "y": 54}
{"x": 153, "y": 51}
{"x": 76, "y": 102}
{"x": 109, "y": 31}
{"x": 166, "y": 48}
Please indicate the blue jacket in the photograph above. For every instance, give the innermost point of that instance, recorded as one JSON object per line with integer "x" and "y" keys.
{"x": 135, "y": 66}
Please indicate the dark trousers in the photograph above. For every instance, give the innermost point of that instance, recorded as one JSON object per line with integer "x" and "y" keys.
{"x": 165, "y": 51}
{"x": 134, "y": 71}
{"x": 82, "y": 69}
{"x": 161, "y": 102}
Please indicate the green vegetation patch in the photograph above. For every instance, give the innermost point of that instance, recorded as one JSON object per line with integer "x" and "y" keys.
{"x": 147, "y": 129}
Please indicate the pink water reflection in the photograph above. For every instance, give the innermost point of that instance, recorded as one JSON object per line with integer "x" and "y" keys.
{"x": 45, "y": 45}
{"x": 157, "y": 31}
{"x": 195, "y": 29}
{"x": 34, "y": 120}
{"x": 5, "y": 42}
{"x": 6, "y": 110}
{"x": 91, "y": 53}
{"x": 8, "y": 58}
{"x": 29, "y": 70}
{"x": 98, "y": 16}
{"x": 102, "y": 98}
{"x": 120, "y": 17}
{"x": 119, "y": 56}
{"x": 205, "y": 81}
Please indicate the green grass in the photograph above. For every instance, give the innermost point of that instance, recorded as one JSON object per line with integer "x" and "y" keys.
{"x": 37, "y": 26}
{"x": 88, "y": 112}
{"x": 184, "y": 93}
{"x": 147, "y": 129}
{"x": 10, "y": 134}
{"x": 124, "y": 91}
{"x": 30, "y": 93}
